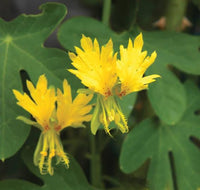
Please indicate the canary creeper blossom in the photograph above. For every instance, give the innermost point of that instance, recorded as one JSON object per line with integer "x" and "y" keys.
{"x": 132, "y": 65}
{"x": 52, "y": 119}
{"x": 99, "y": 70}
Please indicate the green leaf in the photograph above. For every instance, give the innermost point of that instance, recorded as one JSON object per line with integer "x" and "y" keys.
{"x": 181, "y": 51}
{"x": 157, "y": 141}
{"x": 71, "y": 31}
{"x": 18, "y": 185}
{"x": 63, "y": 178}
{"x": 177, "y": 49}
{"x": 21, "y": 47}
{"x": 28, "y": 121}
{"x": 167, "y": 96}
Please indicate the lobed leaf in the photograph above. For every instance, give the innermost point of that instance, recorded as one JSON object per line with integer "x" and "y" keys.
{"x": 168, "y": 147}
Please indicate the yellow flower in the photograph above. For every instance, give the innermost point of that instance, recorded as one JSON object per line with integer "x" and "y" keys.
{"x": 51, "y": 120}
{"x": 97, "y": 70}
{"x": 102, "y": 73}
{"x": 132, "y": 66}
{"x": 44, "y": 101}
{"x": 72, "y": 113}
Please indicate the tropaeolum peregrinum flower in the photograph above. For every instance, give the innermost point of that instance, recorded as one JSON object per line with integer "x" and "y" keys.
{"x": 52, "y": 119}
{"x": 110, "y": 78}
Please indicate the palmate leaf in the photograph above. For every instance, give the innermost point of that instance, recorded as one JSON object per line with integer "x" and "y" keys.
{"x": 167, "y": 95}
{"x": 21, "y": 48}
{"x": 157, "y": 141}
{"x": 63, "y": 178}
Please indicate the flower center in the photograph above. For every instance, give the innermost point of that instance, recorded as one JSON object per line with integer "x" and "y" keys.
{"x": 107, "y": 93}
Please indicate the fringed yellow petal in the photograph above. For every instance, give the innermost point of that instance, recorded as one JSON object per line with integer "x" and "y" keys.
{"x": 42, "y": 103}
{"x": 107, "y": 51}
{"x": 138, "y": 42}
{"x": 148, "y": 61}
{"x": 30, "y": 86}
{"x": 149, "y": 79}
{"x": 130, "y": 44}
{"x": 72, "y": 56}
{"x": 67, "y": 90}
{"x": 86, "y": 43}
{"x": 82, "y": 99}
{"x": 96, "y": 46}
{"x": 26, "y": 103}
{"x": 42, "y": 84}
{"x": 96, "y": 69}
{"x": 69, "y": 112}
{"x": 132, "y": 65}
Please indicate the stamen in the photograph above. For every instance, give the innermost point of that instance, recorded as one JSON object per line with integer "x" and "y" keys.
{"x": 43, "y": 153}
{"x": 46, "y": 128}
{"x": 57, "y": 128}
{"x": 111, "y": 115}
{"x": 111, "y": 112}
{"x": 64, "y": 158}
{"x": 50, "y": 169}
{"x": 123, "y": 93}
{"x": 105, "y": 121}
{"x": 107, "y": 93}
{"x": 119, "y": 117}
{"x": 41, "y": 165}
{"x": 52, "y": 153}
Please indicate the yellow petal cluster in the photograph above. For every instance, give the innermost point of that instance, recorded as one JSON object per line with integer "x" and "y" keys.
{"x": 132, "y": 65}
{"x": 72, "y": 113}
{"x": 104, "y": 74}
{"x": 44, "y": 101}
{"x": 52, "y": 119}
{"x": 95, "y": 67}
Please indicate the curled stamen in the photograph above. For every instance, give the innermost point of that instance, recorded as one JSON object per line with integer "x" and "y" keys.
{"x": 110, "y": 111}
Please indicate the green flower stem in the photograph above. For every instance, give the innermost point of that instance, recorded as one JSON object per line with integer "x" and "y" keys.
{"x": 135, "y": 6}
{"x": 106, "y": 12}
{"x": 95, "y": 164}
{"x": 175, "y": 13}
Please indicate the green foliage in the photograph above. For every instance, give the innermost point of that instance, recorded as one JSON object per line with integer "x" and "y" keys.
{"x": 63, "y": 178}
{"x": 170, "y": 47}
{"x": 157, "y": 141}
{"x": 168, "y": 142}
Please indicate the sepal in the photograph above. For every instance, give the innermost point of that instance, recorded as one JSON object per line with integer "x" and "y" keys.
{"x": 84, "y": 91}
{"x": 95, "y": 123}
{"x": 29, "y": 122}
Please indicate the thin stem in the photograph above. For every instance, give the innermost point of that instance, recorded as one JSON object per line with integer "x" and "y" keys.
{"x": 136, "y": 10}
{"x": 175, "y": 14}
{"x": 95, "y": 164}
{"x": 106, "y": 12}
